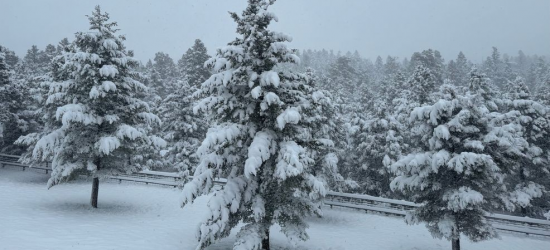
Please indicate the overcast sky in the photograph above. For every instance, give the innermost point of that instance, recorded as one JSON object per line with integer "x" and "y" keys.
{"x": 373, "y": 27}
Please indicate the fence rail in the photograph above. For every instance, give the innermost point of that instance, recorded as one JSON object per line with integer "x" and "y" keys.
{"x": 372, "y": 204}
{"x": 13, "y": 160}
{"x": 507, "y": 223}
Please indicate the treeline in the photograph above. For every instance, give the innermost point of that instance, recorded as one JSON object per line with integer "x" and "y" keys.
{"x": 374, "y": 100}
{"x": 378, "y": 103}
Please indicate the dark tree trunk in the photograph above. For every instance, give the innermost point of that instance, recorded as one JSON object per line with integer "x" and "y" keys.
{"x": 265, "y": 240}
{"x": 523, "y": 211}
{"x": 523, "y": 178}
{"x": 456, "y": 244}
{"x": 95, "y": 192}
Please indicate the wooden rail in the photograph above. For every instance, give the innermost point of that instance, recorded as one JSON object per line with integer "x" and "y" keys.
{"x": 13, "y": 160}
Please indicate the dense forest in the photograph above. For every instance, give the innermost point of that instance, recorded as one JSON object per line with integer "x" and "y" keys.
{"x": 458, "y": 136}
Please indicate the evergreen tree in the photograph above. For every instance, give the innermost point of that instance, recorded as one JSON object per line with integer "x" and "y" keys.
{"x": 453, "y": 175}
{"x": 163, "y": 75}
{"x": 101, "y": 119}
{"x": 378, "y": 144}
{"x": 463, "y": 65}
{"x": 344, "y": 83}
{"x": 522, "y": 64}
{"x": 539, "y": 74}
{"x": 269, "y": 140}
{"x": 543, "y": 91}
{"x": 46, "y": 57}
{"x": 33, "y": 56}
{"x": 46, "y": 110}
{"x": 11, "y": 59}
{"x": 375, "y": 138}
{"x": 64, "y": 43}
{"x": 458, "y": 70}
{"x": 4, "y": 70}
{"x": 4, "y": 81}
{"x": 378, "y": 69}
{"x": 191, "y": 64}
{"x": 452, "y": 72}
{"x": 494, "y": 67}
{"x": 529, "y": 172}
{"x": 182, "y": 129}
{"x": 422, "y": 84}
{"x": 392, "y": 66}
{"x": 430, "y": 59}
{"x": 11, "y": 106}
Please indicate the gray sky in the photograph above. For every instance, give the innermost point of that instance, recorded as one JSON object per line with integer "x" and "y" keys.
{"x": 373, "y": 27}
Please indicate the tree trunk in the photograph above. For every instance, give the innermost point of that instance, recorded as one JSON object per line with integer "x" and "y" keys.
{"x": 523, "y": 178}
{"x": 265, "y": 240}
{"x": 456, "y": 244}
{"x": 523, "y": 211}
{"x": 95, "y": 192}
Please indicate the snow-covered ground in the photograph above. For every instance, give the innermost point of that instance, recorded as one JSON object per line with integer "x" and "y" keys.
{"x": 134, "y": 216}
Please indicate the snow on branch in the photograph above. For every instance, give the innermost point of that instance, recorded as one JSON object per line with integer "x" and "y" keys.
{"x": 290, "y": 115}
{"x": 108, "y": 71}
{"x": 108, "y": 144}
{"x": 261, "y": 148}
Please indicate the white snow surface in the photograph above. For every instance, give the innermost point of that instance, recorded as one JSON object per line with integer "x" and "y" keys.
{"x": 141, "y": 217}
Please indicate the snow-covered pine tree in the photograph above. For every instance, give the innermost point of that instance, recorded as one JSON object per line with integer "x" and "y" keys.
{"x": 325, "y": 122}
{"x": 453, "y": 74}
{"x": 348, "y": 83}
{"x": 378, "y": 69}
{"x": 4, "y": 71}
{"x": 32, "y": 60}
{"x": 402, "y": 95}
{"x": 344, "y": 83}
{"x": 62, "y": 45}
{"x": 46, "y": 109}
{"x": 28, "y": 74}
{"x": 422, "y": 84}
{"x": 499, "y": 68}
{"x": 267, "y": 140}
{"x": 375, "y": 139}
{"x": 377, "y": 144}
{"x": 430, "y": 59}
{"x": 5, "y": 99}
{"x": 163, "y": 75}
{"x": 451, "y": 174}
{"x": 191, "y": 64}
{"x": 11, "y": 106}
{"x": 101, "y": 118}
{"x": 543, "y": 91}
{"x": 182, "y": 129}
{"x": 529, "y": 176}
{"x": 47, "y": 55}
{"x": 539, "y": 81}
{"x": 11, "y": 59}
{"x": 392, "y": 66}
{"x": 463, "y": 67}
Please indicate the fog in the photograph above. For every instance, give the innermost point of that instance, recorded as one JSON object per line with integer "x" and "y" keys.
{"x": 397, "y": 27}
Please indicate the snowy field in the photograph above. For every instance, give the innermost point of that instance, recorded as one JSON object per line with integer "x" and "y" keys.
{"x": 134, "y": 216}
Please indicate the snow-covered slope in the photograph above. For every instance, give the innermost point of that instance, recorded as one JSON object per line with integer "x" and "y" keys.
{"x": 133, "y": 216}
